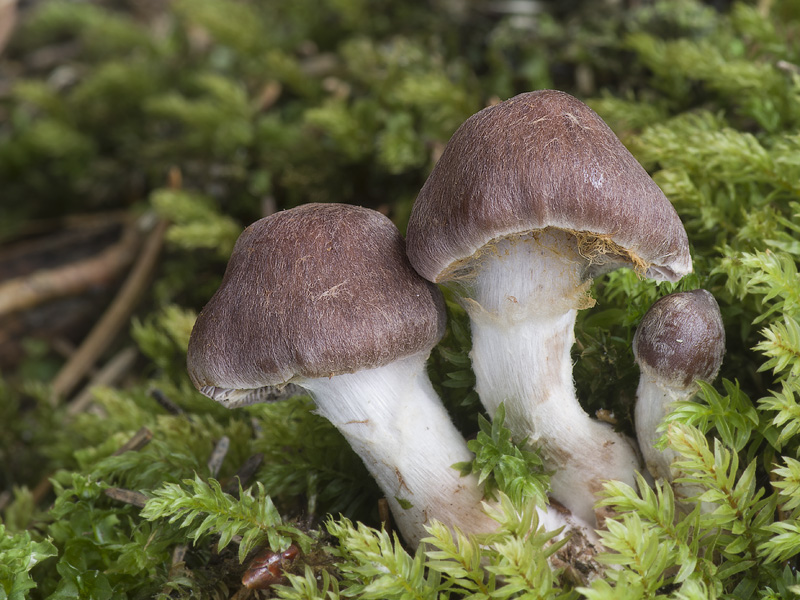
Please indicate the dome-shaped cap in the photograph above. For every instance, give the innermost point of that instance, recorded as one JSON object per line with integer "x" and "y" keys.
{"x": 681, "y": 338}
{"x": 314, "y": 291}
{"x": 542, "y": 159}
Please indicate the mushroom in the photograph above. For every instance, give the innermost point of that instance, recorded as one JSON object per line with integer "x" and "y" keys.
{"x": 531, "y": 199}
{"x": 323, "y": 296}
{"x": 679, "y": 342}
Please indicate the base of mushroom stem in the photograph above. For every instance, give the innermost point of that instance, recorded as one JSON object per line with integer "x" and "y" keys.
{"x": 578, "y": 560}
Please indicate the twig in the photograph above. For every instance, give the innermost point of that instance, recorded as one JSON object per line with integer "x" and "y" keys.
{"x": 177, "y": 567}
{"x": 114, "y": 318}
{"x": 8, "y": 20}
{"x": 268, "y": 205}
{"x": 791, "y": 68}
{"x": 63, "y": 347}
{"x": 42, "y": 489}
{"x": 218, "y": 455}
{"x": 127, "y": 496}
{"x": 178, "y": 554}
{"x": 139, "y": 440}
{"x": 41, "y": 286}
{"x": 30, "y": 237}
{"x": 166, "y": 403}
{"x": 111, "y": 372}
{"x": 311, "y": 504}
{"x": 177, "y": 564}
{"x": 244, "y": 474}
{"x": 268, "y": 96}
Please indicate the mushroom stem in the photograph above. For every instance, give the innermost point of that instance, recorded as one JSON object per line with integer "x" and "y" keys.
{"x": 395, "y": 422}
{"x": 654, "y": 402}
{"x": 522, "y": 305}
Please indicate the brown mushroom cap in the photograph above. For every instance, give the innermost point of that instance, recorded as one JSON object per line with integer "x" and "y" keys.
{"x": 314, "y": 291}
{"x": 681, "y": 338}
{"x": 542, "y": 159}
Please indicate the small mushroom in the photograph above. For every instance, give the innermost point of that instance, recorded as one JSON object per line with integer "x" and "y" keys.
{"x": 531, "y": 199}
{"x": 323, "y": 296}
{"x": 679, "y": 342}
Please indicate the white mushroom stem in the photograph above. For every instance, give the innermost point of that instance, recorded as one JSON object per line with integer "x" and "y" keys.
{"x": 653, "y": 404}
{"x": 523, "y": 303}
{"x": 654, "y": 401}
{"x": 396, "y": 423}
{"x": 394, "y": 420}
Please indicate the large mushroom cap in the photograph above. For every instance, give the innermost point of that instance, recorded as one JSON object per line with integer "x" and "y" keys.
{"x": 681, "y": 338}
{"x": 542, "y": 159}
{"x": 315, "y": 291}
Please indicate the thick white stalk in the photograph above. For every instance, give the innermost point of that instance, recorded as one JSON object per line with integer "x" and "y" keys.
{"x": 582, "y": 452}
{"x": 396, "y": 423}
{"x": 521, "y": 339}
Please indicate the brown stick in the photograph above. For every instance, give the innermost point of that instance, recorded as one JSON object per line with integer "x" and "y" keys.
{"x": 114, "y": 318}
{"x": 218, "y": 455}
{"x": 139, "y": 440}
{"x": 42, "y": 489}
{"x": 111, "y": 372}
{"x": 30, "y": 235}
{"x": 178, "y": 554}
{"x": 165, "y": 402}
{"x": 127, "y": 496}
{"x": 44, "y": 285}
{"x": 244, "y": 474}
{"x": 8, "y": 20}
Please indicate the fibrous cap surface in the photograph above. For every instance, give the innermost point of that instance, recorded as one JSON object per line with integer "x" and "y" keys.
{"x": 314, "y": 291}
{"x": 542, "y": 159}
